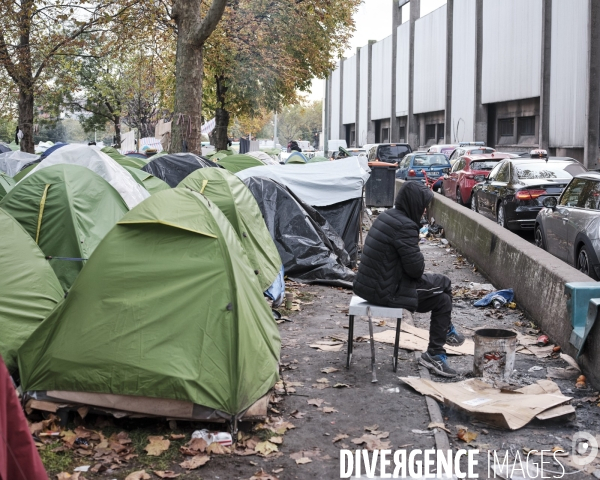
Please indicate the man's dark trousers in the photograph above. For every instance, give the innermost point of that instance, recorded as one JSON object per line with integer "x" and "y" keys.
{"x": 435, "y": 296}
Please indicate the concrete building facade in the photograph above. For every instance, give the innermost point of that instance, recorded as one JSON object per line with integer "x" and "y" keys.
{"x": 515, "y": 74}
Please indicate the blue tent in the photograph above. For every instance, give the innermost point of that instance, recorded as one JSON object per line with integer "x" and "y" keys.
{"x": 296, "y": 157}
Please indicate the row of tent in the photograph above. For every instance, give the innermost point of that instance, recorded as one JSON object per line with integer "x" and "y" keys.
{"x": 113, "y": 290}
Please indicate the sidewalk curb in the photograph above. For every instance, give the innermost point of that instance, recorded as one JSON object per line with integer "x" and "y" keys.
{"x": 435, "y": 414}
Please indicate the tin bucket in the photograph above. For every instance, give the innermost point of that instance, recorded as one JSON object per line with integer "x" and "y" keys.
{"x": 495, "y": 351}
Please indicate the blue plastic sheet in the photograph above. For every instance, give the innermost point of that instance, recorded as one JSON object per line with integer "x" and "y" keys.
{"x": 503, "y": 296}
{"x": 276, "y": 291}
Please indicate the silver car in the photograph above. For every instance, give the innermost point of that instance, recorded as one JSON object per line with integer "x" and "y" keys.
{"x": 570, "y": 227}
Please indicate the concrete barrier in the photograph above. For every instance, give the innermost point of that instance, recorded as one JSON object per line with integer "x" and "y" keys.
{"x": 508, "y": 261}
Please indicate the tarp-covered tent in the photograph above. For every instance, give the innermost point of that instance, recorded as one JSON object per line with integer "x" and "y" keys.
{"x": 190, "y": 324}
{"x": 237, "y": 163}
{"x": 147, "y": 180}
{"x": 100, "y": 163}
{"x": 317, "y": 159}
{"x": 51, "y": 149}
{"x": 239, "y": 206}
{"x": 332, "y": 188}
{"x": 296, "y": 157}
{"x": 264, "y": 157}
{"x": 5, "y": 147}
{"x": 174, "y": 167}
{"x": 12, "y": 163}
{"x": 30, "y": 289}
{"x": 141, "y": 156}
{"x": 6, "y": 183}
{"x": 124, "y": 160}
{"x": 310, "y": 249}
{"x": 67, "y": 210}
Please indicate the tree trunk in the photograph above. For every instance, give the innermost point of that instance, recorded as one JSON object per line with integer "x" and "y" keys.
{"x": 26, "y": 119}
{"x": 221, "y": 116}
{"x": 117, "y": 123}
{"x": 187, "y": 121}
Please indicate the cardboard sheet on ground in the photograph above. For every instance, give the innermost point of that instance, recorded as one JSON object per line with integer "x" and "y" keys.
{"x": 505, "y": 409}
{"x": 414, "y": 338}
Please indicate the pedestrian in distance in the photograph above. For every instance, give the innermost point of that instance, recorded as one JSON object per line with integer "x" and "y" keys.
{"x": 391, "y": 274}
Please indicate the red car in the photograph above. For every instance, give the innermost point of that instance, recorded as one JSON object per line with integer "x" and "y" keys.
{"x": 466, "y": 172}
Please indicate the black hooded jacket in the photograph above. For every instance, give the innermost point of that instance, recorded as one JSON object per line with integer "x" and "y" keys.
{"x": 391, "y": 261}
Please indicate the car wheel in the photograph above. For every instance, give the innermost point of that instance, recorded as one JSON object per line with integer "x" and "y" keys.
{"x": 539, "y": 238}
{"x": 500, "y": 216}
{"x": 583, "y": 263}
{"x": 459, "y": 197}
{"x": 474, "y": 203}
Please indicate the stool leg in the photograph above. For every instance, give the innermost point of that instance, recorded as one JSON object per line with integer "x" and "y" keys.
{"x": 373, "y": 367}
{"x": 397, "y": 343}
{"x": 350, "y": 340}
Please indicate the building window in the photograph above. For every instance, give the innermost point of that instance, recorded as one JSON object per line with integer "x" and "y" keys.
{"x": 385, "y": 135}
{"x": 402, "y": 134}
{"x": 352, "y": 138}
{"x": 506, "y": 127}
{"x": 440, "y": 132}
{"x": 429, "y": 132}
{"x": 526, "y": 125}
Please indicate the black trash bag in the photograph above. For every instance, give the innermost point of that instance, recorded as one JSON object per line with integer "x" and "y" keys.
{"x": 310, "y": 249}
{"x": 344, "y": 217}
{"x": 174, "y": 167}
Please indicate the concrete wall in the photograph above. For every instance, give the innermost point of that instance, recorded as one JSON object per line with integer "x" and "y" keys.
{"x": 430, "y": 62}
{"x": 463, "y": 72}
{"x": 381, "y": 76}
{"x": 512, "y": 49}
{"x": 334, "y": 132}
{"x": 349, "y": 103}
{"x": 508, "y": 261}
{"x": 568, "y": 79}
{"x": 363, "y": 101}
{"x": 402, "y": 60}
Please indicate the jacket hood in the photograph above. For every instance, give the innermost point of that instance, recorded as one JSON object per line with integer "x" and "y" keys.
{"x": 412, "y": 199}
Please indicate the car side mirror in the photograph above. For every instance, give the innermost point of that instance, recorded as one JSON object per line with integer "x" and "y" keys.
{"x": 550, "y": 202}
{"x": 479, "y": 178}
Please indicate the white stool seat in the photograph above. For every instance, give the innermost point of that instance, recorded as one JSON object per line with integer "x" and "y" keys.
{"x": 358, "y": 306}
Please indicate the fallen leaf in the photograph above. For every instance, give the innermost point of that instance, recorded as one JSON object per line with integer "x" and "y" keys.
{"x": 330, "y": 370}
{"x": 139, "y": 475}
{"x": 438, "y": 425}
{"x": 194, "y": 447}
{"x": 339, "y": 437}
{"x": 276, "y": 440}
{"x": 265, "y": 448}
{"x": 382, "y": 434}
{"x": 166, "y": 474}
{"x": 372, "y": 428}
{"x": 63, "y": 476}
{"x": 466, "y": 436}
{"x": 371, "y": 442}
{"x": 194, "y": 462}
{"x": 303, "y": 460}
{"x": 123, "y": 438}
{"x": 327, "y": 348}
{"x": 262, "y": 475}
{"x": 315, "y": 401}
{"x": 329, "y": 410}
{"x": 341, "y": 385}
{"x": 297, "y": 414}
{"x": 177, "y": 436}
{"x": 217, "y": 449}
{"x": 294, "y": 384}
{"x": 322, "y": 380}
{"x": 69, "y": 437}
{"x": 157, "y": 446}
{"x": 320, "y": 386}
{"x": 278, "y": 470}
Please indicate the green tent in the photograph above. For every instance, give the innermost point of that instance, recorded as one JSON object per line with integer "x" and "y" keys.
{"x": 6, "y": 183}
{"x": 124, "y": 160}
{"x": 30, "y": 289}
{"x": 239, "y": 206}
{"x": 19, "y": 176}
{"x": 167, "y": 307}
{"x": 317, "y": 159}
{"x": 237, "y": 163}
{"x": 147, "y": 180}
{"x": 67, "y": 210}
{"x": 226, "y": 152}
{"x": 295, "y": 160}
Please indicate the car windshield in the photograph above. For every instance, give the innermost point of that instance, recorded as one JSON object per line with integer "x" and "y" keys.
{"x": 430, "y": 160}
{"x": 355, "y": 153}
{"x": 532, "y": 171}
{"x": 484, "y": 164}
{"x": 392, "y": 153}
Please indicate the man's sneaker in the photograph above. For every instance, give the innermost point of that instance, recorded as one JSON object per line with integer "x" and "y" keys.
{"x": 438, "y": 364}
{"x": 453, "y": 338}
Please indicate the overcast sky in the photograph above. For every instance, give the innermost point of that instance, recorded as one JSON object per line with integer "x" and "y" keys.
{"x": 373, "y": 22}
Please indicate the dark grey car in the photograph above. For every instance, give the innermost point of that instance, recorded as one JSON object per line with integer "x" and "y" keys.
{"x": 570, "y": 227}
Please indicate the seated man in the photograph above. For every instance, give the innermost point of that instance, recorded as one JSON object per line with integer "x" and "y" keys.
{"x": 391, "y": 274}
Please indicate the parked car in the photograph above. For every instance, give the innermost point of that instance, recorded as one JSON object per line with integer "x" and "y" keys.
{"x": 413, "y": 165}
{"x": 469, "y": 148}
{"x": 357, "y": 152}
{"x": 466, "y": 172}
{"x": 445, "y": 149}
{"x": 513, "y": 192}
{"x": 388, "y": 152}
{"x": 570, "y": 227}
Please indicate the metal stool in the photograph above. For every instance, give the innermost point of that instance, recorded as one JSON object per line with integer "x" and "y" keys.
{"x": 360, "y": 307}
